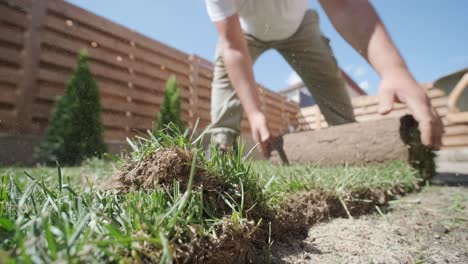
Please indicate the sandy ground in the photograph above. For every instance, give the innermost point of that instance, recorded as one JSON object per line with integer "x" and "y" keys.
{"x": 426, "y": 227}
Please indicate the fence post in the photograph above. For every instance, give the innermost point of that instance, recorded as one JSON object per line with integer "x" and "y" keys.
{"x": 193, "y": 78}
{"x": 27, "y": 87}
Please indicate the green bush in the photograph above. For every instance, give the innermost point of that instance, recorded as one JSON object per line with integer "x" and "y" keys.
{"x": 75, "y": 131}
{"x": 170, "y": 108}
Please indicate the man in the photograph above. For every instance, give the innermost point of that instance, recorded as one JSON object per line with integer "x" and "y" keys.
{"x": 249, "y": 27}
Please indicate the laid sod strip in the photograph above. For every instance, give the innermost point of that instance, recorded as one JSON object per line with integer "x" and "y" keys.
{"x": 287, "y": 179}
{"x": 304, "y": 195}
{"x": 210, "y": 210}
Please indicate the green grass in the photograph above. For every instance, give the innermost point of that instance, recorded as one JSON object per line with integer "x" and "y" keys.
{"x": 50, "y": 214}
{"x": 338, "y": 180}
{"x": 90, "y": 171}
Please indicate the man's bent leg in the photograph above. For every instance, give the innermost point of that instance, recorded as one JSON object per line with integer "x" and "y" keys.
{"x": 310, "y": 55}
{"x": 226, "y": 110}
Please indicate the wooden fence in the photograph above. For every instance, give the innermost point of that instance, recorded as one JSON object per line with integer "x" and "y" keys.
{"x": 366, "y": 107}
{"x": 39, "y": 44}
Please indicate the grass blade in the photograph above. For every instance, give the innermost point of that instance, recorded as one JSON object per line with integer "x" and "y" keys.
{"x": 59, "y": 173}
{"x": 51, "y": 244}
{"x": 6, "y": 224}
{"x": 132, "y": 145}
{"x": 79, "y": 229}
{"x": 167, "y": 256}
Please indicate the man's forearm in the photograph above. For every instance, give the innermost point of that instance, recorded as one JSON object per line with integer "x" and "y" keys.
{"x": 239, "y": 67}
{"x": 238, "y": 63}
{"x": 358, "y": 23}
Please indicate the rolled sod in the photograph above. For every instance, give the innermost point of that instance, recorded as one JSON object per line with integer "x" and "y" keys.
{"x": 360, "y": 144}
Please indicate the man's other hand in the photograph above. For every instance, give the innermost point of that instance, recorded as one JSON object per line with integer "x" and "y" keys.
{"x": 260, "y": 132}
{"x": 399, "y": 86}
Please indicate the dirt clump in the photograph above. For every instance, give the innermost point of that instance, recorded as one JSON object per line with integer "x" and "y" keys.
{"x": 162, "y": 168}
{"x": 237, "y": 242}
{"x": 231, "y": 241}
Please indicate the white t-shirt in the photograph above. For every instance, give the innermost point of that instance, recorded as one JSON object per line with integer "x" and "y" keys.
{"x": 264, "y": 19}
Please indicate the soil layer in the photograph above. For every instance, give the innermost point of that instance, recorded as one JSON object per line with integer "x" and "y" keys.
{"x": 426, "y": 227}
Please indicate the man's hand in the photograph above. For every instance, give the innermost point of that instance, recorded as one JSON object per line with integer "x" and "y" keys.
{"x": 399, "y": 86}
{"x": 260, "y": 131}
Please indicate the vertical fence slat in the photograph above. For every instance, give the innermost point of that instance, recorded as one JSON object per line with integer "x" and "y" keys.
{"x": 29, "y": 64}
{"x": 131, "y": 81}
{"x": 193, "y": 89}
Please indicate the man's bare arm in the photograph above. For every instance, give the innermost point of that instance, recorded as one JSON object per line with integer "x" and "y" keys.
{"x": 239, "y": 67}
{"x": 238, "y": 62}
{"x": 358, "y": 22}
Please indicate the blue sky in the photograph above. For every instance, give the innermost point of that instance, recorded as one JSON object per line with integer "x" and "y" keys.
{"x": 431, "y": 35}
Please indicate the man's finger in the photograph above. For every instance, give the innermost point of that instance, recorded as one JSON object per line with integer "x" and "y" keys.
{"x": 264, "y": 140}
{"x": 386, "y": 98}
{"x": 431, "y": 133}
{"x": 430, "y": 125}
{"x": 264, "y": 134}
{"x": 437, "y": 143}
{"x": 425, "y": 128}
{"x": 257, "y": 139}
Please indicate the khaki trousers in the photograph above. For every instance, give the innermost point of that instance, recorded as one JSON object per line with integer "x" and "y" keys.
{"x": 309, "y": 54}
